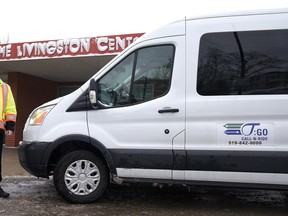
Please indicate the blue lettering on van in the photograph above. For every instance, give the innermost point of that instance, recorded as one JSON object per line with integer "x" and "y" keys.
{"x": 245, "y": 129}
{"x": 248, "y": 129}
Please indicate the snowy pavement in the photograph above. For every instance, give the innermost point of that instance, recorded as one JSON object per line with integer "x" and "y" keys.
{"x": 32, "y": 196}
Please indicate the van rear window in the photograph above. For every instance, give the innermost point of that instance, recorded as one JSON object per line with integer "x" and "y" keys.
{"x": 243, "y": 63}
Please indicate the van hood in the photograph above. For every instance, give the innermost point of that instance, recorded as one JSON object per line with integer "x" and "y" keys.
{"x": 52, "y": 102}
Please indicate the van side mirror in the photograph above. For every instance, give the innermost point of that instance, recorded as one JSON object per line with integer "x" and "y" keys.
{"x": 93, "y": 93}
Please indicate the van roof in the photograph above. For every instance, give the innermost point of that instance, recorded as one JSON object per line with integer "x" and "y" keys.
{"x": 177, "y": 27}
{"x": 238, "y": 13}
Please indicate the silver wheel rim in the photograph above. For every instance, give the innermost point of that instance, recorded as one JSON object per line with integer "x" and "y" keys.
{"x": 82, "y": 177}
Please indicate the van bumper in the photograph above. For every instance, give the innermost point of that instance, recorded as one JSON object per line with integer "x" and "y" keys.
{"x": 30, "y": 157}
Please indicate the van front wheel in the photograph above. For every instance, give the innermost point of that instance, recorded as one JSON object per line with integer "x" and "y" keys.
{"x": 80, "y": 177}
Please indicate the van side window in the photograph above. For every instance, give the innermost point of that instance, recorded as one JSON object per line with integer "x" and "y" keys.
{"x": 143, "y": 75}
{"x": 243, "y": 63}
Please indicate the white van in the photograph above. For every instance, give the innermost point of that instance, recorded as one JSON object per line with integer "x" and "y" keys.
{"x": 199, "y": 101}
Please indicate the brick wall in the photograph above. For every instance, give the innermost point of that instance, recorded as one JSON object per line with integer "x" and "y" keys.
{"x": 29, "y": 92}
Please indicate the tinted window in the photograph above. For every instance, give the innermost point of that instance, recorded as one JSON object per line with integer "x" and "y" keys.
{"x": 248, "y": 63}
{"x": 143, "y": 75}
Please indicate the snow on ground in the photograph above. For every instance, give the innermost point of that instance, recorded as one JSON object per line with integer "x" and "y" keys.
{"x": 33, "y": 196}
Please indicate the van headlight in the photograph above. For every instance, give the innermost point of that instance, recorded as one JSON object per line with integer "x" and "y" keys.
{"x": 38, "y": 116}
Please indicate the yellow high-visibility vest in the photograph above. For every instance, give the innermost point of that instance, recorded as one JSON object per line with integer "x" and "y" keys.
{"x": 7, "y": 105}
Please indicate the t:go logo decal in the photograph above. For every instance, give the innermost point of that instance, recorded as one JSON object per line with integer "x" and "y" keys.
{"x": 248, "y": 129}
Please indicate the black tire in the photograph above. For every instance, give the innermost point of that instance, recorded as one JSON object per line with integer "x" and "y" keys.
{"x": 80, "y": 177}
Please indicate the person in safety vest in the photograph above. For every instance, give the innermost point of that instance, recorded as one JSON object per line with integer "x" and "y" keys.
{"x": 7, "y": 121}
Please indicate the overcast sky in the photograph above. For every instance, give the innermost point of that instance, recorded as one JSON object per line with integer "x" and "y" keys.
{"x": 36, "y": 20}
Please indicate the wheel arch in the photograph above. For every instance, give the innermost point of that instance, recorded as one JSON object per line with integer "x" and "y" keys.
{"x": 64, "y": 145}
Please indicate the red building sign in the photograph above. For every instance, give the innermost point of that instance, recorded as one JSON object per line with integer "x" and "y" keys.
{"x": 67, "y": 47}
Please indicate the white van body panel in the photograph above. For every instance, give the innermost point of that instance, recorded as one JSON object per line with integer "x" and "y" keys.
{"x": 130, "y": 127}
{"x": 207, "y": 115}
{"x": 212, "y": 138}
{"x": 31, "y": 133}
{"x": 209, "y": 111}
{"x": 243, "y": 177}
{"x": 58, "y": 122}
{"x": 121, "y": 125}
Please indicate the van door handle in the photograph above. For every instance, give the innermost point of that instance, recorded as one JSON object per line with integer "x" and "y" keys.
{"x": 168, "y": 110}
